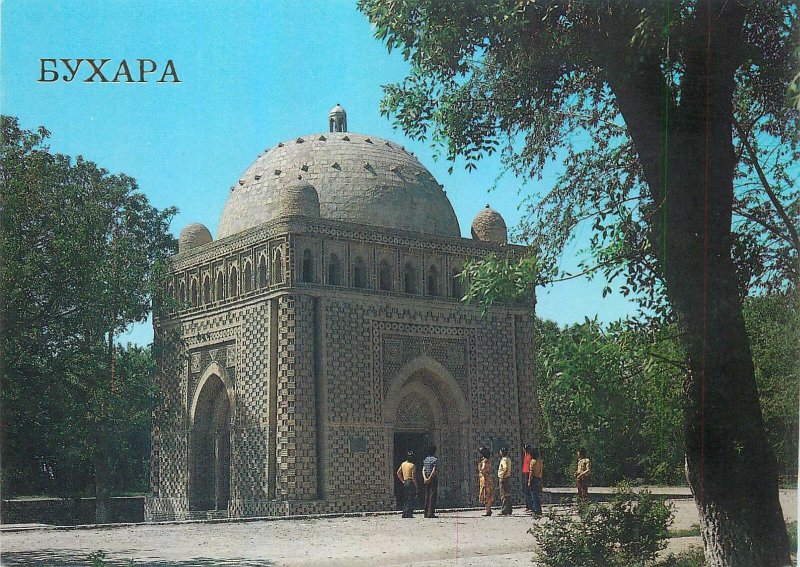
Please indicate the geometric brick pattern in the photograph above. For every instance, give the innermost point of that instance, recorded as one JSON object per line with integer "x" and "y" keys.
{"x": 312, "y": 364}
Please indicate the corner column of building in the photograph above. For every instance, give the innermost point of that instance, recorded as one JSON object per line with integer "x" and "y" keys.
{"x": 296, "y": 451}
{"x": 526, "y": 381}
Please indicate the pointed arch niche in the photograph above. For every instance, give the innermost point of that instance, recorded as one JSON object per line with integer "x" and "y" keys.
{"x": 211, "y": 415}
{"x": 424, "y": 405}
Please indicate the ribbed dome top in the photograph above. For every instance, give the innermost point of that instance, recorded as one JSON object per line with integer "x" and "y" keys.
{"x": 358, "y": 178}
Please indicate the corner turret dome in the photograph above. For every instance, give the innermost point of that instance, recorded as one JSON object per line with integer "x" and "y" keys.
{"x": 489, "y": 226}
{"x": 192, "y": 236}
{"x": 299, "y": 198}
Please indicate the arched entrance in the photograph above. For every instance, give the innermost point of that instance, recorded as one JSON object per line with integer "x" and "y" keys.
{"x": 424, "y": 406}
{"x": 210, "y": 453}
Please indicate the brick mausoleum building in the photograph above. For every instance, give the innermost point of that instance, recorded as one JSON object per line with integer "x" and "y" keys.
{"x": 322, "y": 336}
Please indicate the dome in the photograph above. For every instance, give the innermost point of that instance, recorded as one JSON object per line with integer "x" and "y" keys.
{"x": 192, "y": 236}
{"x": 299, "y": 198}
{"x": 489, "y": 226}
{"x": 358, "y": 178}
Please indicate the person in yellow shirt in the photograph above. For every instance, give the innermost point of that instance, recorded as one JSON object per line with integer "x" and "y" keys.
{"x": 407, "y": 473}
{"x": 582, "y": 473}
{"x": 535, "y": 470}
{"x": 504, "y": 474}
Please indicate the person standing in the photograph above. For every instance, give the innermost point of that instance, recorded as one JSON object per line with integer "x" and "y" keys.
{"x": 430, "y": 478}
{"x": 582, "y": 474}
{"x": 407, "y": 473}
{"x": 536, "y": 468}
{"x": 486, "y": 494}
{"x": 526, "y": 460}
{"x": 504, "y": 474}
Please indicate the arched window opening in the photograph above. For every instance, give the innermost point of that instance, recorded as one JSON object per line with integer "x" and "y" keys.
{"x": 277, "y": 267}
{"x": 262, "y": 272}
{"x": 409, "y": 278}
{"x": 219, "y": 292}
{"x": 234, "y": 281}
{"x": 194, "y": 297}
{"x": 359, "y": 273}
{"x": 458, "y": 286}
{"x": 247, "y": 278}
{"x": 384, "y": 276}
{"x": 206, "y": 289}
{"x": 182, "y": 294}
{"x": 433, "y": 281}
{"x": 334, "y": 270}
{"x": 308, "y": 267}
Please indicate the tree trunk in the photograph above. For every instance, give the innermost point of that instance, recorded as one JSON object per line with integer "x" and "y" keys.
{"x": 102, "y": 491}
{"x": 730, "y": 464}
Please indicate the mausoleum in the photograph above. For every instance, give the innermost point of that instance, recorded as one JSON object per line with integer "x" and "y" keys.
{"x": 321, "y": 335}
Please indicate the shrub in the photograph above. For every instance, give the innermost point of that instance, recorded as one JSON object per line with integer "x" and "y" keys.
{"x": 627, "y": 532}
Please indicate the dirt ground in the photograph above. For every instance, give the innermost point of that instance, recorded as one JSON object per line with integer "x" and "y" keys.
{"x": 463, "y": 539}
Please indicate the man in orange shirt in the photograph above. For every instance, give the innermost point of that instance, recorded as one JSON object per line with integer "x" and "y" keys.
{"x": 526, "y": 461}
{"x": 407, "y": 473}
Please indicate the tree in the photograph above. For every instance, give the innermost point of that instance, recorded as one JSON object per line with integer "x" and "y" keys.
{"x": 613, "y": 391}
{"x": 773, "y": 323}
{"x": 643, "y": 99}
{"x": 83, "y": 258}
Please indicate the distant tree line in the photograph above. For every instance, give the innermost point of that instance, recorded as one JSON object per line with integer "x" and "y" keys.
{"x": 616, "y": 390}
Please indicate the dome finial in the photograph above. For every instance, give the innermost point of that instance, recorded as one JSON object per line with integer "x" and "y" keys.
{"x": 337, "y": 119}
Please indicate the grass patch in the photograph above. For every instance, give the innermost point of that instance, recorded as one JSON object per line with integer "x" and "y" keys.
{"x": 686, "y": 532}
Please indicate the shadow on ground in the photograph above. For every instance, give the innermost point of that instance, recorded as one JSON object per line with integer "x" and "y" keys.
{"x": 69, "y": 558}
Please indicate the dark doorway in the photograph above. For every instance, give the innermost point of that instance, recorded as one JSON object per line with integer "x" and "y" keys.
{"x": 417, "y": 441}
{"x": 211, "y": 448}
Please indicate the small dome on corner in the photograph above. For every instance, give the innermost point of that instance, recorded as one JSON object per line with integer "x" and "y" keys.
{"x": 489, "y": 226}
{"x": 299, "y": 197}
{"x": 193, "y": 235}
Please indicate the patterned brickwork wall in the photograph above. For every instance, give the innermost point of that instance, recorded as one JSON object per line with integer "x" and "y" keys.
{"x": 402, "y": 332}
{"x": 337, "y": 353}
{"x": 236, "y": 340}
{"x": 296, "y": 399}
{"x": 496, "y": 418}
{"x": 249, "y": 482}
{"x": 529, "y": 406}
{"x": 169, "y": 443}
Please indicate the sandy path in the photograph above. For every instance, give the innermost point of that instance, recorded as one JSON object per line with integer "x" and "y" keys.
{"x": 464, "y": 539}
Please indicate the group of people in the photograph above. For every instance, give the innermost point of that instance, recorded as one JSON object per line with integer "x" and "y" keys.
{"x": 532, "y": 470}
{"x": 407, "y": 474}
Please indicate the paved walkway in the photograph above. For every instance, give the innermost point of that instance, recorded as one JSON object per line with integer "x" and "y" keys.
{"x": 463, "y": 539}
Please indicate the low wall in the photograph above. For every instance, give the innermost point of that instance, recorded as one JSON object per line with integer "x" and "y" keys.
{"x": 69, "y": 511}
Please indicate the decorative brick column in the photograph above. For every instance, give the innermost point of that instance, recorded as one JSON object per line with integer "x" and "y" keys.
{"x": 296, "y": 400}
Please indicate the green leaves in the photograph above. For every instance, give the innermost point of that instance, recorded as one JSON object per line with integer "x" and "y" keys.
{"x": 83, "y": 252}
{"x": 592, "y": 381}
{"x": 625, "y": 533}
{"x": 500, "y": 279}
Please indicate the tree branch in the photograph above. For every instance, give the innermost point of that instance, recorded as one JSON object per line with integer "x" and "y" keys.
{"x": 795, "y": 239}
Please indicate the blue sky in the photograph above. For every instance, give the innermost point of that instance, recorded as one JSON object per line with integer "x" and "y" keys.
{"x": 252, "y": 73}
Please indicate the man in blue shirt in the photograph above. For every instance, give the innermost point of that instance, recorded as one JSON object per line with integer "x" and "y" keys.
{"x": 430, "y": 476}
